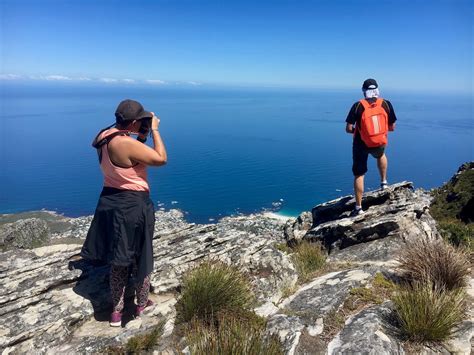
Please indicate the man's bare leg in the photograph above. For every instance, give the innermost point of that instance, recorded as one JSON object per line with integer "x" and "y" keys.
{"x": 359, "y": 190}
{"x": 382, "y": 165}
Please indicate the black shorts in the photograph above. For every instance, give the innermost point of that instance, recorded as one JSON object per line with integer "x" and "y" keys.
{"x": 360, "y": 154}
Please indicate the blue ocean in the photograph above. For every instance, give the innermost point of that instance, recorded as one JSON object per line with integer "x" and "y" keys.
{"x": 230, "y": 150}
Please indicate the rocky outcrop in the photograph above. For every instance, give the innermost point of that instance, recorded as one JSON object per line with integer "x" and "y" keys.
{"x": 25, "y": 234}
{"x": 392, "y": 215}
{"x": 51, "y": 301}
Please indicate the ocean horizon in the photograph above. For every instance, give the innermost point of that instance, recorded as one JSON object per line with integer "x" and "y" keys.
{"x": 230, "y": 150}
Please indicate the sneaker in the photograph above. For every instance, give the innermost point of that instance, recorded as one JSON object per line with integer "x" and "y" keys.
{"x": 383, "y": 185}
{"x": 116, "y": 319}
{"x": 140, "y": 309}
{"x": 357, "y": 212}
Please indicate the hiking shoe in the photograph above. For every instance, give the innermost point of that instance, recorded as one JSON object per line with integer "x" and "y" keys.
{"x": 140, "y": 309}
{"x": 383, "y": 185}
{"x": 357, "y": 212}
{"x": 116, "y": 319}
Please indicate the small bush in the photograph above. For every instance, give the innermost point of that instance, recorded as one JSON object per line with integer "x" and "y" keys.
{"x": 241, "y": 333}
{"x": 211, "y": 287}
{"x": 308, "y": 258}
{"x": 443, "y": 264}
{"x": 425, "y": 313}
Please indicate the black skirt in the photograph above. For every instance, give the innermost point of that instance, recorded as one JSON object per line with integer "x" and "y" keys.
{"x": 121, "y": 232}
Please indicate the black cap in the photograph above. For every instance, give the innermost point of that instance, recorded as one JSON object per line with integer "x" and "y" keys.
{"x": 369, "y": 84}
{"x": 129, "y": 110}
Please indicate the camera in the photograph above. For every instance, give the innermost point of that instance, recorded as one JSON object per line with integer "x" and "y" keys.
{"x": 144, "y": 129}
{"x": 145, "y": 126}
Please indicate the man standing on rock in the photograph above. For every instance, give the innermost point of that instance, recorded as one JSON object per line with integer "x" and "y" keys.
{"x": 369, "y": 120}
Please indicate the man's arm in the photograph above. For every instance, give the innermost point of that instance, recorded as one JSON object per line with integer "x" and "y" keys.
{"x": 350, "y": 128}
{"x": 352, "y": 118}
{"x": 392, "y": 118}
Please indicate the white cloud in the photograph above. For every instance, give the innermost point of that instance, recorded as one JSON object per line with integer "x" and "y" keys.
{"x": 10, "y": 77}
{"x": 130, "y": 81}
{"x": 193, "y": 83}
{"x": 108, "y": 80}
{"x": 56, "y": 77}
{"x": 155, "y": 81}
{"x": 83, "y": 78}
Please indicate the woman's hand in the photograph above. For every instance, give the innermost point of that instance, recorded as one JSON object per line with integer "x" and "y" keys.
{"x": 155, "y": 122}
{"x": 144, "y": 154}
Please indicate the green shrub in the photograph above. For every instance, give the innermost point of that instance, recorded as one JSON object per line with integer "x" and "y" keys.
{"x": 234, "y": 333}
{"x": 308, "y": 258}
{"x": 425, "y": 313}
{"x": 451, "y": 198}
{"x": 458, "y": 233}
{"x": 210, "y": 288}
{"x": 438, "y": 261}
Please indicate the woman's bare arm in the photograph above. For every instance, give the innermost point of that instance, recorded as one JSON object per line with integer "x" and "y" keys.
{"x": 142, "y": 153}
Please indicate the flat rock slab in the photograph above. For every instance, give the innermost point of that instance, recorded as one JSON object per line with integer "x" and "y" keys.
{"x": 305, "y": 309}
{"x": 325, "y": 294}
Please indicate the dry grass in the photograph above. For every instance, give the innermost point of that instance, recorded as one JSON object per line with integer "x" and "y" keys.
{"x": 428, "y": 314}
{"x": 288, "y": 289}
{"x": 210, "y": 288}
{"x": 446, "y": 266}
{"x": 137, "y": 344}
{"x": 308, "y": 259}
{"x": 232, "y": 333}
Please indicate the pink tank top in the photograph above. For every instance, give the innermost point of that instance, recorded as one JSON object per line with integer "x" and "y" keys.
{"x": 132, "y": 178}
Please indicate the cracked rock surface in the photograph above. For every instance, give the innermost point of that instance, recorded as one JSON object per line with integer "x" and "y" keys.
{"x": 51, "y": 301}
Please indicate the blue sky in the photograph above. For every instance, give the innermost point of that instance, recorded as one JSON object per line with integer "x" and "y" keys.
{"x": 425, "y": 45}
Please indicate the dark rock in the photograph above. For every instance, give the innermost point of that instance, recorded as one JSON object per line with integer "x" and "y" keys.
{"x": 398, "y": 213}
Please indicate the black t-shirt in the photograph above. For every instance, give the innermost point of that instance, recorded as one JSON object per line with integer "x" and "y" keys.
{"x": 355, "y": 114}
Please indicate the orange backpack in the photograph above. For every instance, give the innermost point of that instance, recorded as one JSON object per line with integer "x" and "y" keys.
{"x": 373, "y": 124}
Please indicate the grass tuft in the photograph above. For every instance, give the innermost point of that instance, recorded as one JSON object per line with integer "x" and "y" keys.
{"x": 139, "y": 343}
{"x": 438, "y": 261}
{"x": 233, "y": 333}
{"x": 308, "y": 258}
{"x": 212, "y": 287}
{"x": 428, "y": 314}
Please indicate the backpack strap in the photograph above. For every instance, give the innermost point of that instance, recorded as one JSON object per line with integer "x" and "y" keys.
{"x": 98, "y": 144}
{"x": 365, "y": 103}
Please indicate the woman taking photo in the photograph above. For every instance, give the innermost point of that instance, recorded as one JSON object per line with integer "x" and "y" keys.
{"x": 121, "y": 232}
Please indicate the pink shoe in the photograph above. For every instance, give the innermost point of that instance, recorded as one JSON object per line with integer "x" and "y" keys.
{"x": 116, "y": 319}
{"x": 139, "y": 310}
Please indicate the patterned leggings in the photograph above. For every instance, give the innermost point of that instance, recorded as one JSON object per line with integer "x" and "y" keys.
{"x": 118, "y": 282}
